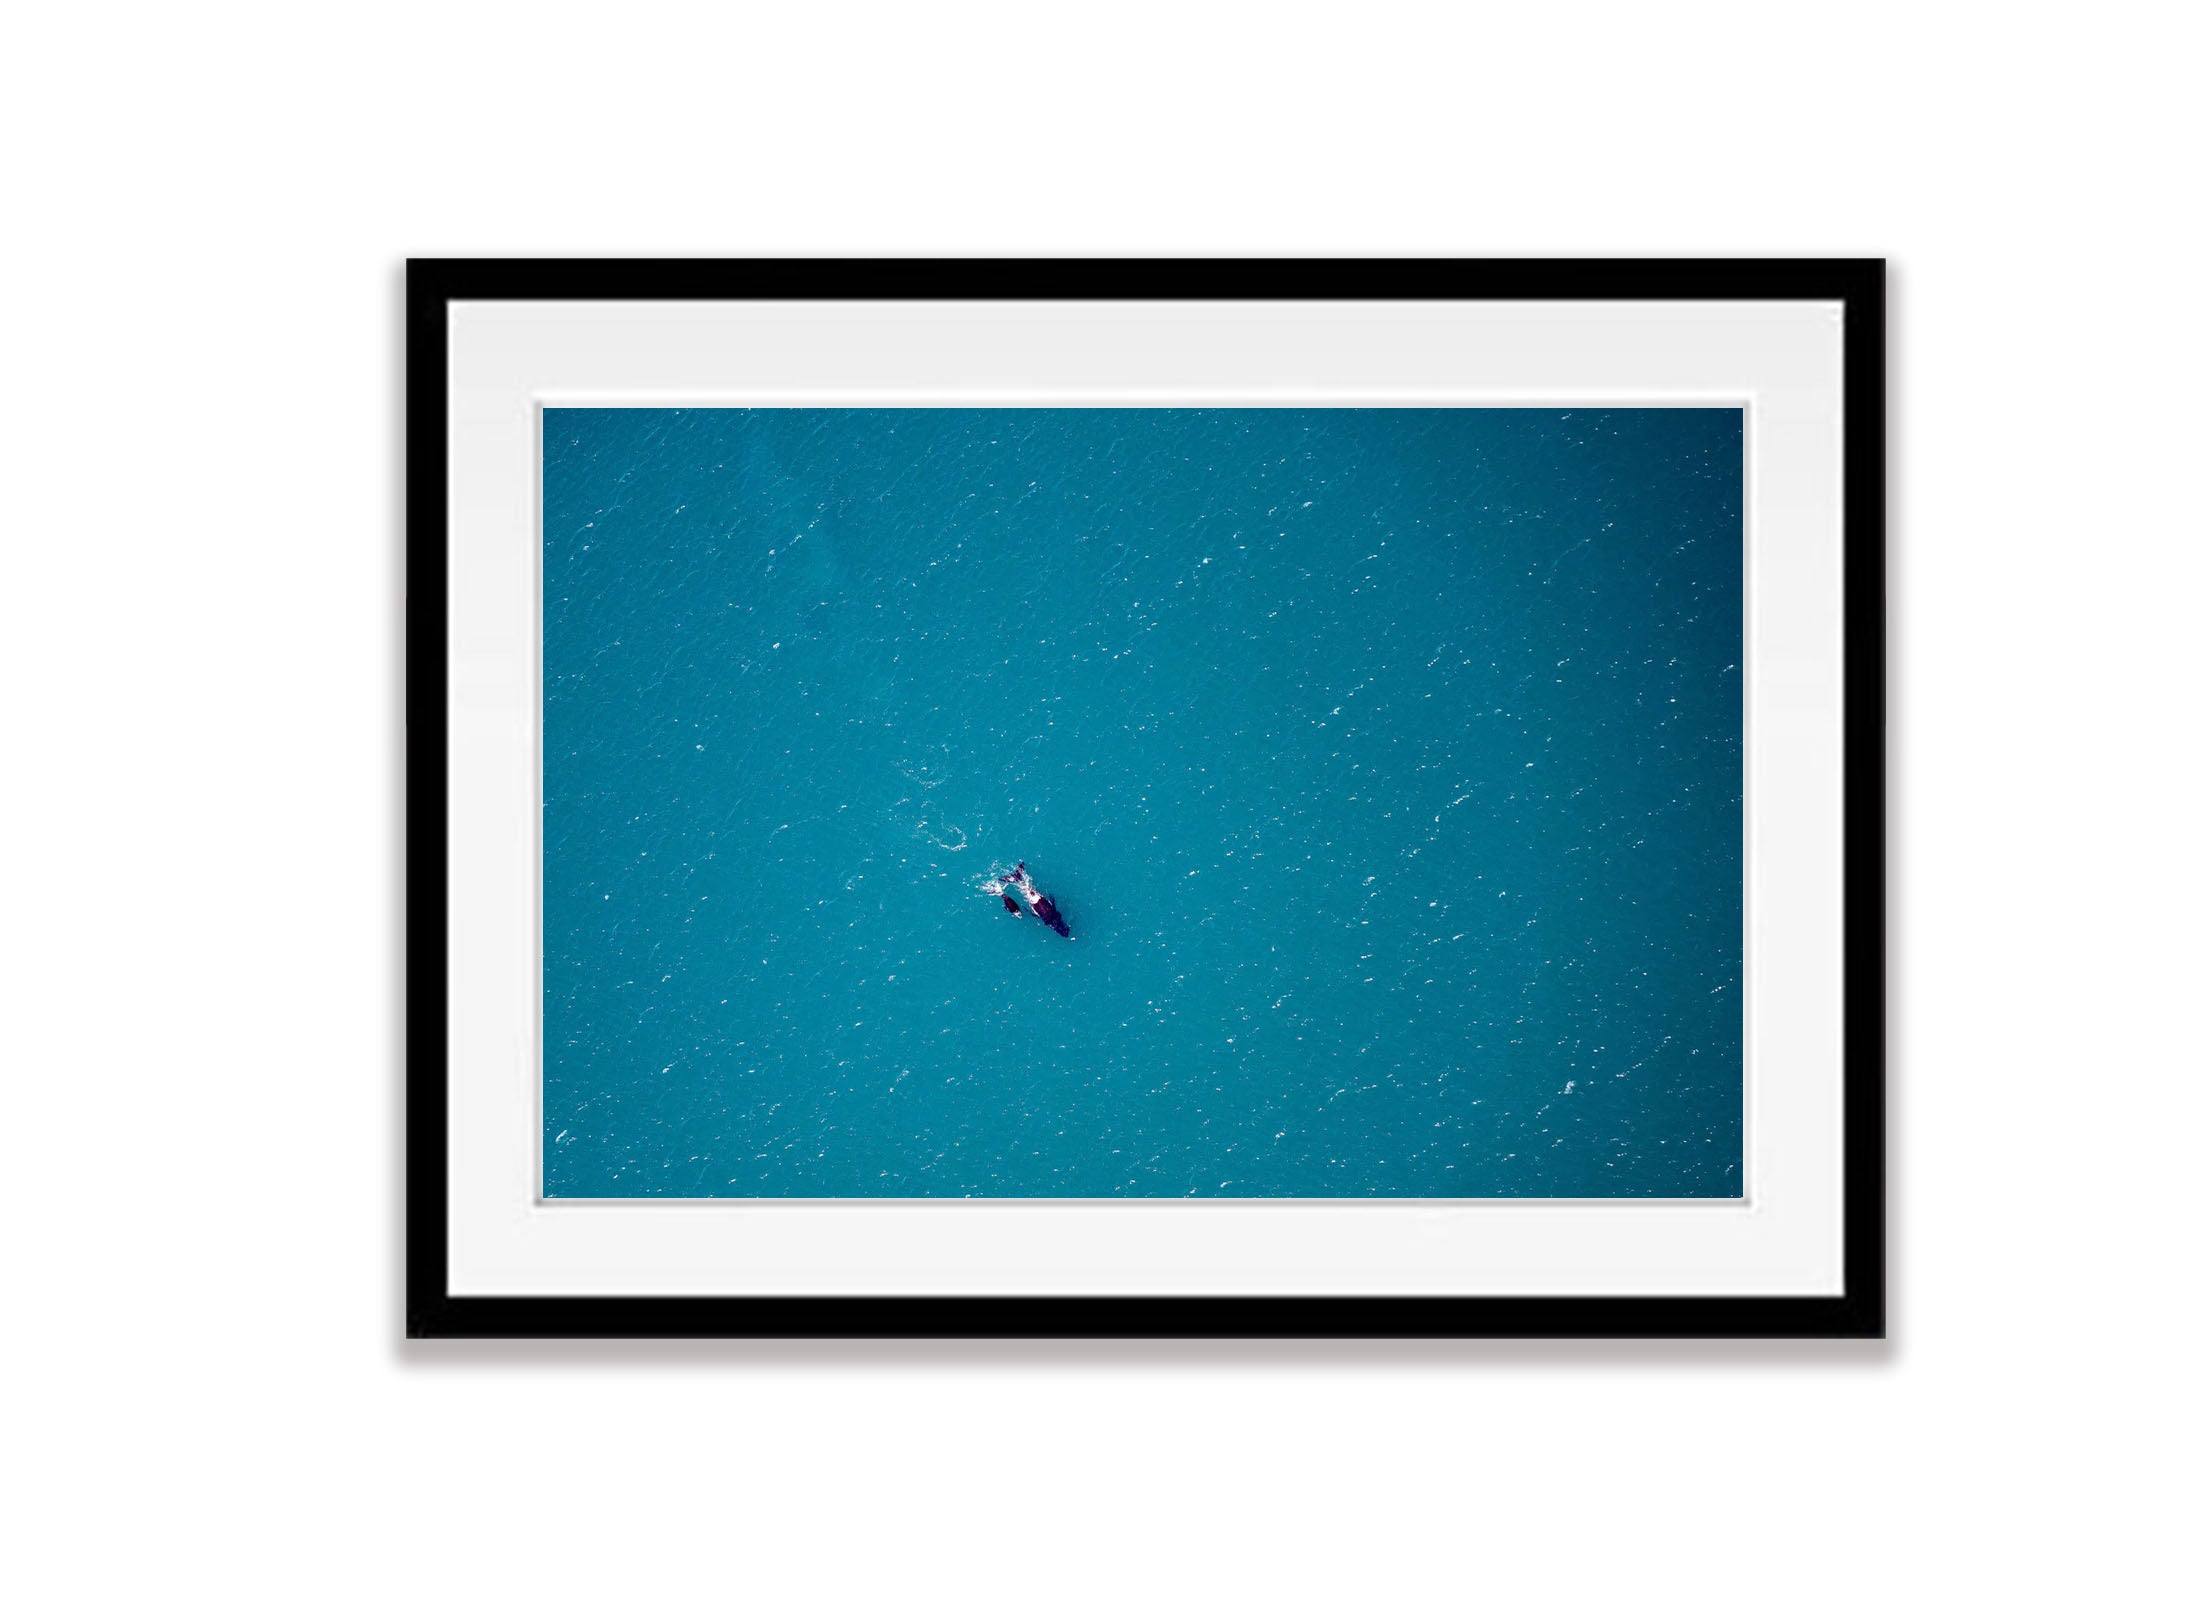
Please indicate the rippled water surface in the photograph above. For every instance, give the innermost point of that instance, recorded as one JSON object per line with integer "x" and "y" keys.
{"x": 1386, "y": 766}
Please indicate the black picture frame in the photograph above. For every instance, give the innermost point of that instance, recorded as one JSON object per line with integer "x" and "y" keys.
{"x": 1859, "y": 1311}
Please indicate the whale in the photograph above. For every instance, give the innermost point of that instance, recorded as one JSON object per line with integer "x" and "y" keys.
{"x": 1042, "y": 906}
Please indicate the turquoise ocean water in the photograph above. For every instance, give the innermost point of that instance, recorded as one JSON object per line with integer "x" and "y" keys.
{"x": 1386, "y": 765}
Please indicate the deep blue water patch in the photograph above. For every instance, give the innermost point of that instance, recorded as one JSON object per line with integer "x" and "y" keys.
{"x": 1386, "y": 764}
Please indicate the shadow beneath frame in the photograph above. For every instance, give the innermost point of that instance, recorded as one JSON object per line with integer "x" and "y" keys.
{"x": 1152, "y": 1354}
{"x": 827, "y": 1355}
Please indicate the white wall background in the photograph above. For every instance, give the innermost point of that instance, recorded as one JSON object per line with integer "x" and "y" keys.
{"x": 205, "y": 210}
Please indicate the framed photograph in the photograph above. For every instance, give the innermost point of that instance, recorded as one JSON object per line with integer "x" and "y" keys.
{"x": 1145, "y": 798}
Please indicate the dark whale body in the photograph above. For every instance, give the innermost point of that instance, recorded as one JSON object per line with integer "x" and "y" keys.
{"x": 1042, "y": 906}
